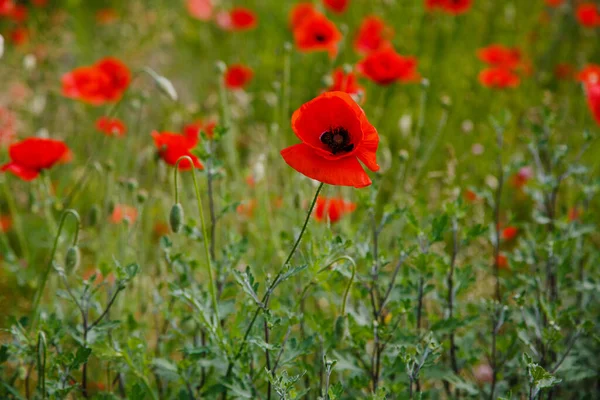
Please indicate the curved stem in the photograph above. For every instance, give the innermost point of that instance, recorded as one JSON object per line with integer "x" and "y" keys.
{"x": 211, "y": 280}
{"x": 45, "y": 275}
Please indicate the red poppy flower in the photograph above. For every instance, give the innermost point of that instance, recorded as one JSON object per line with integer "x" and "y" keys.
{"x": 300, "y": 12}
{"x": 18, "y": 13}
{"x": 32, "y": 155}
{"x": 588, "y": 15}
{"x": 123, "y": 212}
{"x": 337, "y": 6}
{"x": 103, "y": 82}
{"x": 332, "y": 209}
{"x": 454, "y": 7}
{"x": 593, "y": 99}
{"x": 335, "y": 135}
{"x": 238, "y": 76}
{"x": 246, "y": 208}
{"x": 317, "y": 33}
{"x": 499, "y": 78}
{"x": 19, "y": 36}
{"x": 172, "y": 146}
{"x": 40, "y": 3}
{"x": 373, "y": 34}
{"x": 521, "y": 178}
{"x": 106, "y": 16}
{"x": 564, "y": 71}
{"x": 385, "y": 66}
{"x": 6, "y": 7}
{"x": 574, "y": 214}
{"x": 346, "y": 82}
{"x": 470, "y": 196}
{"x": 111, "y": 126}
{"x": 87, "y": 275}
{"x": 590, "y": 74}
{"x": 554, "y": 3}
{"x": 242, "y": 19}
{"x": 502, "y": 261}
{"x": 200, "y": 9}
{"x": 510, "y": 232}
{"x": 498, "y": 55}
{"x": 5, "y": 223}
{"x": 192, "y": 130}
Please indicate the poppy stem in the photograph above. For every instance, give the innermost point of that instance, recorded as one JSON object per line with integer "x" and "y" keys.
{"x": 10, "y": 201}
{"x": 211, "y": 280}
{"x": 45, "y": 275}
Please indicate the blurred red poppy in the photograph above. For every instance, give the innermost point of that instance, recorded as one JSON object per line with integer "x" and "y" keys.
{"x": 521, "y": 178}
{"x": 590, "y": 74}
{"x": 373, "y": 34}
{"x": 510, "y": 232}
{"x": 498, "y": 55}
{"x": 337, "y": 6}
{"x": 19, "y": 36}
{"x": 246, "y": 208}
{"x": 238, "y": 76}
{"x": 385, "y": 66}
{"x": 335, "y": 135}
{"x": 32, "y": 155}
{"x": 106, "y": 16}
{"x": 192, "y": 130}
{"x": 111, "y": 126}
{"x": 470, "y": 196}
{"x": 8, "y": 124}
{"x": 332, "y": 209}
{"x": 200, "y": 9}
{"x": 6, "y": 7}
{"x": 574, "y": 214}
{"x": 99, "y": 278}
{"x": 317, "y": 33}
{"x": 502, "y": 261}
{"x": 592, "y": 91}
{"x": 40, "y": 3}
{"x": 241, "y": 19}
{"x": 564, "y": 71}
{"x": 346, "y": 82}
{"x": 123, "y": 212}
{"x": 172, "y": 146}
{"x": 554, "y": 3}
{"x": 5, "y": 223}
{"x": 588, "y": 15}
{"x": 454, "y": 7}
{"x": 103, "y": 82}
{"x": 18, "y": 13}
{"x": 300, "y": 12}
{"x": 499, "y": 78}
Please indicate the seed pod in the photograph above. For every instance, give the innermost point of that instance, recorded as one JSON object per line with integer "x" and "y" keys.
{"x": 176, "y": 217}
{"x": 72, "y": 259}
{"x": 340, "y": 327}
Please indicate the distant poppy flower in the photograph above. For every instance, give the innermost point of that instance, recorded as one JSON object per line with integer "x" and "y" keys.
{"x": 554, "y": 3}
{"x": 346, "y": 82}
{"x": 470, "y": 196}
{"x": 588, "y": 15}
{"x": 238, "y": 19}
{"x": 172, "y": 146}
{"x": 337, "y": 6}
{"x": 564, "y": 71}
{"x": 498, "y": 55}
{"x": 6, "y": 7}
{"x": 454, "y": 7}
{"x": 317, "y": 33}
{"x": 385, "y": 67}
{"x": 200, "y": 9}
{"x": 300, "y": 12}
{"x": 521, "y": 178}
{"x": 160, "y": 229}
{"x": 40, "y": 3}
{"x": 238, "y": 76}
{"x": 123, "y": 212}
{"x": 19, "y": 36}
{"x": 111, "y": 126}
{"x": 574, "y": 214}
{"x": 499, "y": 78}
{"x": 8, "y": 123}
{"x": 332, "y": 209}
{"x": 106, "y": 16}
{"x": 99, "y": 278}
{"x": 502, "y": 261}
{"x": 192, "y": 130}
{"x": 246, "y": 208}
{"x": 5, "y": 223}
{"x": 590, "y": 74}
{"x": 18, "y": 13}
{"x": 335, "y": 135}
{"x": 373, "y": 34}
{"x": 483, "y": 373}
{"x": 510, "y": 232}
{"x": 103, "y": 82}
{"x": 31, "y": 156}
{"x": 593, "y": 99}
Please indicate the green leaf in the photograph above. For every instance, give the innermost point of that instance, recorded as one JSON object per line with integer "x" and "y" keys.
{"x": 249, "y": 285}
{"x": 81, "y": 357}
{"x": 4, "y": 353}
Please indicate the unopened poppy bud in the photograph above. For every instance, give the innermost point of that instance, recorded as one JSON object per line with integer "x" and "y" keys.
{"x": 424, "y": 83}
{"x": 110, "y": 165}
{"x": 142, "y": 196}
{"x": 111, "y": 206}
{"x": 176, "y": 217}
{"x": 340, "y": 327}
{"x": 72, "y": 259}
{"x": 132, "y": 184}
{"x": 446, "y": 101}
{"x": 403, "y": 155}
{"x": 287, "y": 46}
{"x": 94, "y": 215}
{"x": 221, "y": 67}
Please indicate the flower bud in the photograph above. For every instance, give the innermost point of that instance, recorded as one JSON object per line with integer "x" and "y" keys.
{"x": 72, "y": 259}
{"x": 176, "y": 217}
{"x": 94, "y": 215}
{"x": 340, "y": 327}
{"x": 142, "y": 196}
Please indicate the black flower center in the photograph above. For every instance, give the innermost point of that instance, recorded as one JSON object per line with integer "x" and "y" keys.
{"x": 337, "y": 139}
{"x": 320, "y": 37}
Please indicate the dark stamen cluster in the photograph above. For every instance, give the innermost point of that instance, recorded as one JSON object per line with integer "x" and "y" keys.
{"x": 337, "y": 139}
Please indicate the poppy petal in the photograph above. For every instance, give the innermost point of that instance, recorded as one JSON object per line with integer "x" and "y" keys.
{"x": 22, "y": 172}
{"x": 368, "y": 148}
{"x": 346, "y": 171}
